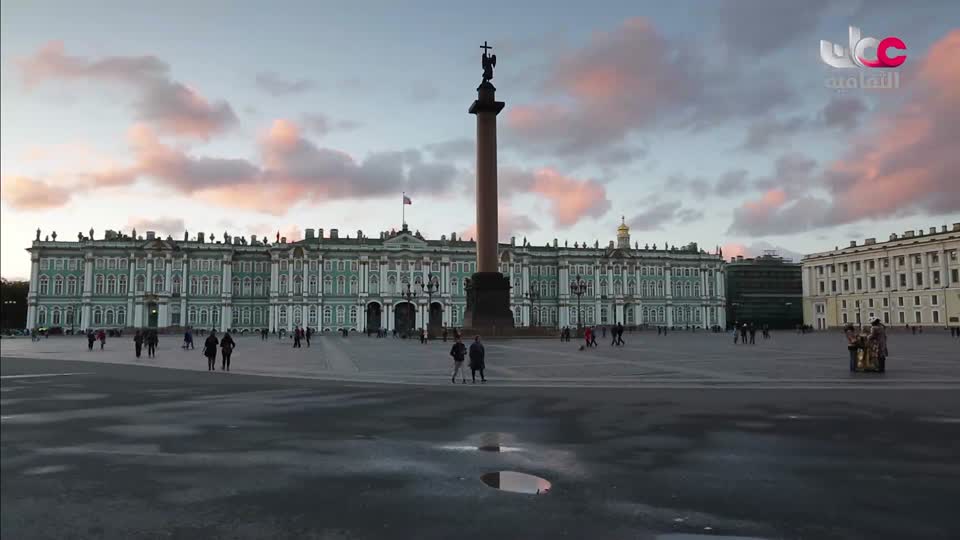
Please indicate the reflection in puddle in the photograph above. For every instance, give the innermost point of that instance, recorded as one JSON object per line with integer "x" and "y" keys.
{"x": 688, "y": 536}
{"x": 517, "y": 482}
{"x": 48, "y": 469}
{"x": 489, "y": 442}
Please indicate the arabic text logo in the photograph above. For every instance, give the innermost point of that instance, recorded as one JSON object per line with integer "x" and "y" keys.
{"x": 855, "y": 55}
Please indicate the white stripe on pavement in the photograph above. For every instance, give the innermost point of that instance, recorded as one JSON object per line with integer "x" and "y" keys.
{"x": 33, "y": 375}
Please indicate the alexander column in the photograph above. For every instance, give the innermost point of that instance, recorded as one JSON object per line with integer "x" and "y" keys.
{"x": 488, "y": 294}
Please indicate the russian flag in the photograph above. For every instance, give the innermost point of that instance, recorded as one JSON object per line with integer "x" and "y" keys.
{"x": 406, "y": 200}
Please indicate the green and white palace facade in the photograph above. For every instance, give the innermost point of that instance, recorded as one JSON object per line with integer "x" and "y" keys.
{"x": 399, "y": 280}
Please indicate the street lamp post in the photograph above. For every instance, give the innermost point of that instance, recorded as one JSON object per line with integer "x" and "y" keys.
{"x": 578, "y": 288}
{"x": 429, "y": 288}
{"x": 533, "y": 295}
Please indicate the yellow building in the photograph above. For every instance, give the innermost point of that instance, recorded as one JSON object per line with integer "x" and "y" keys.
{"x": 910, "y": 279}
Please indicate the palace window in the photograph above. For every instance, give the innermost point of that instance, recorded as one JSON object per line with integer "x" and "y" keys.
{"x": 312, "y": 321}
{"x": 158, "y": 283}
{"x": 327, "y": 265}
{"x": 258, "y": 287}
{"x": 205, "y": 286}
{"x": 283, "y": 284}
{"x": 313, "y": 285}
{"x": 109, "y": 317}
{"x": 374, "y": 284}
{"x": 140, "y": 283}
{"x": 934, "y": 300}
{"x": 111, "y": 285}
{"x": 123, "y": 284}
{"x": 341, "y": 287}
{"x": 192, "y": 316}
{"x": 176, "y": 285}
{"x": 97, "y": 317}
{"x": 258, "y": 316}
{"x": 298, "y": 285}
{"x": 298, "y": 265}
{"x": 353, "y": 315}
{"x": 71, "y": 286}
{"x": 235, "y": 286}
{"x": 98, "y": 284}
{"x": 58, "y": 286}
{"x": 194, "y": 290}
{"x": 327, "y": 285}
{"x": 98, "y": 263}
{"x": 340, "y": 315}
{"x": 327, "y": 315}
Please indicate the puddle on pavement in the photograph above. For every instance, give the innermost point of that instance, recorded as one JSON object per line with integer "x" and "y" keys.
{"x": 488, "y": 442}
{"x": 517, "y": 482}
{"x": 941, "y": 420}
{"x": 47, "y": 469}
{"x": 150, "y": 430}
{"x": 78, "y": 396}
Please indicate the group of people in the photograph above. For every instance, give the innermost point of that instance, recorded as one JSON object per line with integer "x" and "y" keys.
{"x": 150, "y": 339}
{"x": 226, "y": 350}
{"x": 301, "y": 334}
{"x": 742, "y": 330}
{"x": 92, "y": 337}
{"x": 867, "y": 347}
{"x": 477, "y": 363}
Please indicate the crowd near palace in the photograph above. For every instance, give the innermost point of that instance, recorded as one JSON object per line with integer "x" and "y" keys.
{"x": 399, "y": 280}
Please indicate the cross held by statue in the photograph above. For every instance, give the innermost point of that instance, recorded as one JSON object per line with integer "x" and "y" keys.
{"x": 485, "y": 47}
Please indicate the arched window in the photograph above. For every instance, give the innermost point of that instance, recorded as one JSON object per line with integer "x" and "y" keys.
{"x": 122, "y": 317}
{"x": 192, "y": 316}
{"x": 176, "y": 285}
{"x": 282, "y": 316}
{"x": 246, "y": 311}
{"x": 111, "y": 285}
{"x": 42, "y": 316}
{"x": 204, "y": 287}
{"x": 158, "y": 283}
{"x": 617, "y": 286}
{"x": 659, "y": 288}
{"x": 590, "y": 288}
{"x": 140, "y": 283}
{"x": 258, "y": 316}
{"x": 71, "y": 286}
{"x": 122, "y": 288}
{"x": 392, "y": 284}
{"x": 283, "y": 284}
{"x": 258, "y": 287}
{"x": 455, "y": 286}
{"x": 55, "y": 319}
{"x": 696, "y": 289}
{"x": 97, "y": 317}
{"x": 204, "y": 317}
{"x": 341, "y": 286}
{"x": 632, "y": 288}
{"x": 215, "y": 289}
{"x": 313, "y": 285}
{"x": 58, "y": 286}
{"x": 298, "y": 284}
{"x": 109, "y": 318}
{"x": 247, "y": 286}
{"x": 686, "y": 288}
{"x": 340, "y": 314}
{"x": 353, "y": 286}
{"x": 374, "y": 284}
{"x": 327, "y": 315}
{"x": 193, "y": 287}
{"x": 327, "y": 285}
{"x": 660, "y": 314}
{"x": 98, "y": 284}
{"x": 312, "y": 321}
{"x": 235, "y": 286}
{"x": 353, "y": 315}
{"x": 69, "y": 317}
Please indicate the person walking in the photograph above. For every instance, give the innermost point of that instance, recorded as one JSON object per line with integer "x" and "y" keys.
{"x": 210, "y": 350}
{"x": 226, "y": 349}
{"x": 444, "y": 334}
{"x": 852, "y": 340}
{"x": 593, "y": 338}
{"x": 743, "y": 334}
{"x": 587, "y": 334}
{"x": 296, "y": 338}
{"x": 102, "y": 337}
{"x": 620, "y": 340}
{"x": 458, "y": 352}
{"x": 477, "y": 363}
{"x": 90, "y": 339}
{"x": 137, "y": 343}
{"x": 152, "y": 341}
{"x": 307, "y": 334}
{"x": 753, "y": 334}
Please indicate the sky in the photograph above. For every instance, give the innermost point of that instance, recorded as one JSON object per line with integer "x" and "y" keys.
{"x": 706, "y": 121}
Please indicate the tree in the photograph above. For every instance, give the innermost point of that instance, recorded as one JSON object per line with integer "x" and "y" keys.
{"x": 13, "y": 302}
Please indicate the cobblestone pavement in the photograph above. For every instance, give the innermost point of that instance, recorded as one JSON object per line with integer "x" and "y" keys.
{"x": 678, "y": 360}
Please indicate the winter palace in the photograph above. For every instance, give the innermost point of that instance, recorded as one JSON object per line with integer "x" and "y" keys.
{"x": 399, "y": 280}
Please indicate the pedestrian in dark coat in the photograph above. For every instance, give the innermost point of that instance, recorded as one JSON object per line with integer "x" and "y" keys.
{"x": 619, "y": 332}
{"x": 476, "y": 360}
{"x": 152, "y": 341}
{"x": 226, "y": 349}
{"x": 90, "y": 339}
{"x": 296, "y": 338}
{"x": 459, "y": 353}
{"x": 307, "y": 334}
{"x": 102, "y": 337}
{"x": 138, "y": 343}
{"x": 210, "y": 350}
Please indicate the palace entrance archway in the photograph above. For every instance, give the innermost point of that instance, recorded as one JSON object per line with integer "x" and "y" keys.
{"x": 404, "y": 317}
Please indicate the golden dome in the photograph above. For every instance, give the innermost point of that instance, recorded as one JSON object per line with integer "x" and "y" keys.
{"x": 623, "y": 229}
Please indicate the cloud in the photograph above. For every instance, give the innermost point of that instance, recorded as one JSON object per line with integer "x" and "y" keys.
{"x": 509, "y": 223}
{"x": 292, "y": 170}
{"x": 729, "y": 184}
{"x": 168, "y": 226}
{"x": 321, "y": 124}
{"x": 904, "y": 165}
{"x": 758, "y": 27}
{"x": 660, "y": 214}
{"x": 570, "y": 199}
{"x": 276, "y": 85}
{"x": 765, "y": 132}
{"x": 169, "y": 106}
{"x": 461, "y": 147}
{"x": 629, "y": 79}
{"x": 843, "y": 112}
{"x": 24, "y": 193}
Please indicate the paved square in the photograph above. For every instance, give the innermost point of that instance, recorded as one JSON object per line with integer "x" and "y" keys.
{"x": 679, "y": 359}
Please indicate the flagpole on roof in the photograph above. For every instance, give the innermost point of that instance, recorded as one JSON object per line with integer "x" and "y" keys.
{"x": 403, "y": 210}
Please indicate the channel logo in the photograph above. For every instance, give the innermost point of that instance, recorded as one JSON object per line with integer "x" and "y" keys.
{"x": 855, "y": 54}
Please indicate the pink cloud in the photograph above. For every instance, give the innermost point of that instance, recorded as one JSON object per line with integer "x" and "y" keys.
{"x": 509, "y": 224}
{"x": 905, "y": 164}
{"x": 169, "y": 106}
{"x": 570, "y": 199}
{"x": 25, "y": 193}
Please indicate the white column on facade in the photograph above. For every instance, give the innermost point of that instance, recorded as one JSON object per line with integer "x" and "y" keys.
{"x": 722, "y": 317}
{"x": 525, "y": 273}
{"x": 925, "y": 268}
{"x": 306, "y": 280}
{"x": 184, "y": 290}
{"x": 168, "y": 274}
{"x": 609, "y": 291}
{"x": 448, "y": 314}
{"x": 272, "y": 316}
{"x": 909, "y": 270}
{"x": 88, "y": 290}
{"x": 668, "y": 292}
{"x": 162, "y": 315}
{"x": 148, "y": 282}
{"x": 806, "y": 271}
{"x": 383, "y": 277}
{"x": 944, "y": 270}
{"x": 385, "y": 317}
{"x": 320, "y": 280}
{"x": 290, "y": 287}
{"x": 34, "y": 290}
{"x": 618, "y": 314}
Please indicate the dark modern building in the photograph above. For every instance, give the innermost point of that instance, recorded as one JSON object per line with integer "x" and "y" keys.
{"x": 764, "y": 290}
